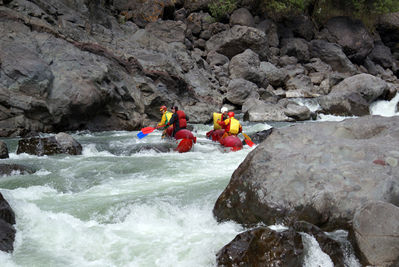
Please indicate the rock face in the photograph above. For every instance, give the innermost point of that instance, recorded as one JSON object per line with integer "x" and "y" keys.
{"x": 375, "y": 231}
{"x": 263, "y": 247}
{"x": 320, "y": 174}
{"x": 61, "y": 143}
{"x": 7, "y": 231}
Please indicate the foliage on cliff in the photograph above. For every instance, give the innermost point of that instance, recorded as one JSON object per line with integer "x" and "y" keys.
{"x": 366, "y": 10}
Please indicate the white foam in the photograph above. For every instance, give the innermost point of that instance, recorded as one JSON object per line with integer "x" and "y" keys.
{"x": 314, "y": 256}
{"x": 385, "y": 108}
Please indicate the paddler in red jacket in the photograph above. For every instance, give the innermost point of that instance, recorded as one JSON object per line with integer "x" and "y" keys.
{"x": 178, "y": 120}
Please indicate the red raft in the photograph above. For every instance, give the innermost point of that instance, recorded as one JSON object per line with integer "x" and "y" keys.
{"x": 232, "y": 141}
{"x": 186, "y": 137}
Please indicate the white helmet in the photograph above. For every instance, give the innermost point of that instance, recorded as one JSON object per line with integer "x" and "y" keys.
{"x": 224, "y": 109}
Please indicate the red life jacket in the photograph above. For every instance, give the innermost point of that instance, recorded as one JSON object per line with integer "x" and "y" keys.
{"x": 182, "y": 119}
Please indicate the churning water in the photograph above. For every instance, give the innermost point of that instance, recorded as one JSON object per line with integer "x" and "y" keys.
{"x": 120, "y": 205}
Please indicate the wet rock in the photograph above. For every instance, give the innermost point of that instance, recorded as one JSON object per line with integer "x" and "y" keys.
{"x": 328, "y": 245}
{"x": 297, "y": 112}
{"x": 263, "y": 247}
{"x": 10, "y": 169}
{"x": 319, "y": 173}
{"x": 7, "y": 230}
{"x": 375, "y": 233}
{"x": 61, "y": 143}
{"x": 353, "y": 95}
{"x": 259, "y": 137}
{"x": 3, "y": 150}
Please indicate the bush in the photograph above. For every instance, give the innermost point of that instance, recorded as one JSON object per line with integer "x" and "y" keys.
{"x": 220, "y": 9}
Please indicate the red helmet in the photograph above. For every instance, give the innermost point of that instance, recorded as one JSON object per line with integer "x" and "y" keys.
{"x": 163, "y": 108}
{"x": 231, "y": 114}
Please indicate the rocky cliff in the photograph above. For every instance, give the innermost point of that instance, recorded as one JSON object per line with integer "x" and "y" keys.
{"x": 104, "y": 65}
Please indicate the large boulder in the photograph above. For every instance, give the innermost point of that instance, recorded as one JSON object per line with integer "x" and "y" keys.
{"x": 352, "y": 36}
{"x": 296, "y": 47}
{"x": 353, "y": 95}
{"x": 375, "y": 233}
{"x": 256, "y": 110}
{"x": 382, "y": 55}
{"x": 263, "y": 247}
{"x": 270, "y": 28}
{"x": 242, "y": 17}
{"x": 237, "y": 39}
{"x": 61, "y": 143}
{"x": 275, "y": 76}
{"x": 332, "y": 54}
{"x": 388, "y": 28}
{"x": 315, "y": 172}
{"x": 7, "y": 230}
{"x": 246, "y": 66}
{"x": 239, "y": 90}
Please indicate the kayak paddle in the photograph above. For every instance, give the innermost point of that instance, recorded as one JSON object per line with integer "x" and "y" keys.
{"x": 141, "y": 135}
{"x": 148, "y": 130}
{"x": 248, "y": 140}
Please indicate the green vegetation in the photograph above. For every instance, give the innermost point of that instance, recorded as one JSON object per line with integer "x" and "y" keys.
{"x": 220, "y": 9}
{"x": 319, "y": 10}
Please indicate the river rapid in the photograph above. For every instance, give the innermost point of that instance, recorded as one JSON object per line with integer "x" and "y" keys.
{"x": 115, "y": 205}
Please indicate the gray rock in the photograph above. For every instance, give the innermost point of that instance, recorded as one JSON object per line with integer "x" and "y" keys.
{"x": 353, "y": 95}
{"x": 259, "y": 111}
{"x": 246, "y": 66}
{"x": 238, "y": 39}
{"x": 239, "y": 90}
{"x": 61, "y": 143}
{"x": 7, "y": 230}
{"x": 382, "y": 55}
{"x": 332, "y": 54}
{"x": 242, "y": 17}
{"x": 263, "y": 247}
{"x": 297, "y": 112}
{"x": 296, "y": 47}
{"x": 167, "y": 30}
{"x": 3, "y": 150}
{"x": 316, "y": 172}
{"x": 275, "y": 76}
{"x": 375, "y": 232}
{"x": 352, "y": 36}
{"x": 270, "y": 28}
{"x": 14, "y": 169}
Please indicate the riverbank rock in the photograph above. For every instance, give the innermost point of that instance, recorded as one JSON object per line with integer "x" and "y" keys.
{"x": 375, "y": 233}
{"x": 353, "y": 96}
{"x": 316, "y": 172}
{"x": 61, "y": 143}
{"x": 7, "y": 230}
{"x": 263, "y": 247}
{"x": 3, "y": 150}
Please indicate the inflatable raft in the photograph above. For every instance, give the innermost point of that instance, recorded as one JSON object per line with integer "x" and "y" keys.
{"x": 185, "y": 138}
{"x": 232, "y": 142}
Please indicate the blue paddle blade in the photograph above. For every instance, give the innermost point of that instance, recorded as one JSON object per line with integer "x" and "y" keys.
{"x": 141, "y": 135}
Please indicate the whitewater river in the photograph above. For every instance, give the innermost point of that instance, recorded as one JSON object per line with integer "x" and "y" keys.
{"x": 115, "y": 206}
